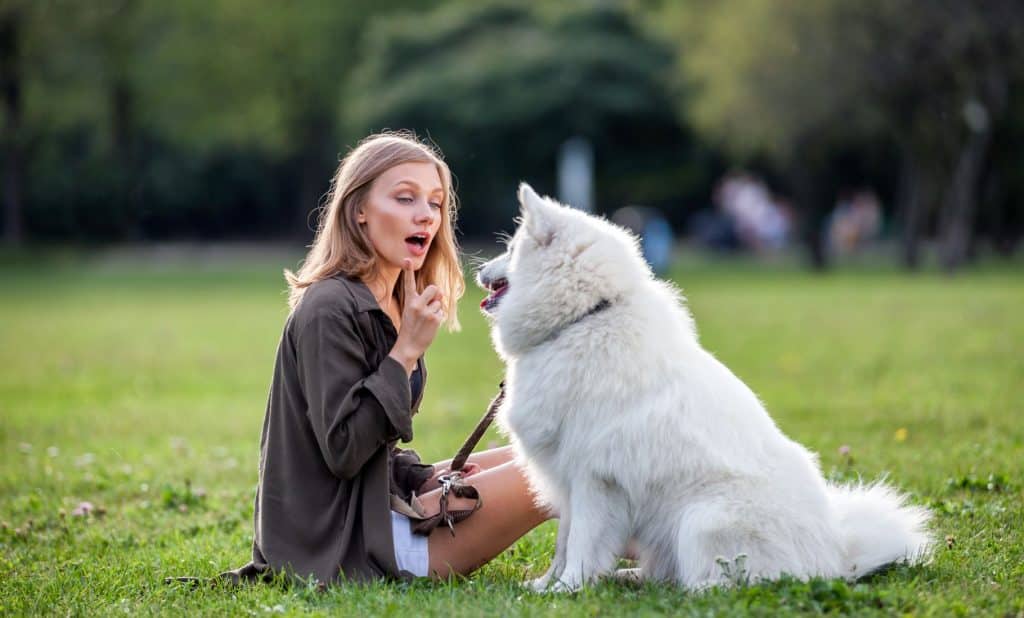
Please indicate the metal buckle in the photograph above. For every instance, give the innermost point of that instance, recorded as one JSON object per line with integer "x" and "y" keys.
{"x": 447, "y": 481}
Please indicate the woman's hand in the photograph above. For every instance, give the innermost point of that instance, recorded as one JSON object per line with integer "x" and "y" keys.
{"x": 421, "y": 316}
{"x": 468, "y": 470}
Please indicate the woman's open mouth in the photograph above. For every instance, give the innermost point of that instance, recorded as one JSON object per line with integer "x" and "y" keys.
{"x": 498, "y": 287}
{"x": 418, "y": 243}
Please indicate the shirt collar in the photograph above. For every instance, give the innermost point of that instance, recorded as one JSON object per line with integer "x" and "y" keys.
{"x": 364, "y": 297}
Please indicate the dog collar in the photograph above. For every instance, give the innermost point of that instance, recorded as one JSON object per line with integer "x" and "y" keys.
{"x": 598, "y": 308}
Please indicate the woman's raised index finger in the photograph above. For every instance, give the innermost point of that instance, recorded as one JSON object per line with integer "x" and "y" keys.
{"x": 410, "y": 279}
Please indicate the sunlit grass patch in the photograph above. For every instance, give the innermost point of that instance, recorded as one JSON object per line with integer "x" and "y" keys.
{"x": 132, "y": 397}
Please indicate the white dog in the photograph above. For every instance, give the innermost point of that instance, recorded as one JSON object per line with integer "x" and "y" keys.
{"x": 634, "y": 432}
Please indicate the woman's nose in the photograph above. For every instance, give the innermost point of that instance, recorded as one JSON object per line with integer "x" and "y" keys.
{"x": 424, "y": 213}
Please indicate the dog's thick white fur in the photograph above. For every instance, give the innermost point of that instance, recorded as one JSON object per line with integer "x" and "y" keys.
{"x": 631, "y": 430}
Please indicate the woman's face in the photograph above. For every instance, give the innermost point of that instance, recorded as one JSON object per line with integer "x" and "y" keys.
{"x": 402, "y": 214}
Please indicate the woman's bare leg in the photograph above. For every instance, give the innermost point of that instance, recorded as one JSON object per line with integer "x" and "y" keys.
{"x": 508, "y": 512}
{"x": 488, "y": 459}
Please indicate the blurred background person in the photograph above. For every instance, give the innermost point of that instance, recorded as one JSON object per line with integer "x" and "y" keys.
{"x": 747, "y": 216}
{"x": 855, "y": 223}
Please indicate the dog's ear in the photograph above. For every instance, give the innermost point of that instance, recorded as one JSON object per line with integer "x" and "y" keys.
{"x": 537, "y": 215}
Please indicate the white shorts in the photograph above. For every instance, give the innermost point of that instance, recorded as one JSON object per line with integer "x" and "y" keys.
{"x": 410, "y": 549}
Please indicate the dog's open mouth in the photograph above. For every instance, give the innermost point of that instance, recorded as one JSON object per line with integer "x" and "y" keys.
{"x": 498, "y": 287}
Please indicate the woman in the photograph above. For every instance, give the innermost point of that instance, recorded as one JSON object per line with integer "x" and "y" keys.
{"x": 380, "y": 278}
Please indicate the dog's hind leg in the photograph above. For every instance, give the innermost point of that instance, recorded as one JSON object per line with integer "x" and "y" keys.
{"x": 598, "y": 533}
{"x": 658, "y": 560}
{"x": 698, "y": 546}
{"x": 718, "y": 546}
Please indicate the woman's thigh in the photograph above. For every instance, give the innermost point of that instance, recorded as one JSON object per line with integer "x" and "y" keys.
{"x": 488, "y": 459}
{"x": 508, "y": 512}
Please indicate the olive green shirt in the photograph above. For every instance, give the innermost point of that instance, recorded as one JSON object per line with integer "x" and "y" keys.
{"x": 338, "y": 405}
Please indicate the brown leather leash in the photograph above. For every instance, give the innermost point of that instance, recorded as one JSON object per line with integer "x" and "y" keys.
{"x": 452, "y": 484}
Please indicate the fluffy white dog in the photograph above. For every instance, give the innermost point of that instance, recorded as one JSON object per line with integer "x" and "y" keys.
{"x": 632, "y": 431}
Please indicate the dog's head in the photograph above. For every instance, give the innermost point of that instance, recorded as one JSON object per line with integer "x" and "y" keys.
{"x": 560, "y": 264}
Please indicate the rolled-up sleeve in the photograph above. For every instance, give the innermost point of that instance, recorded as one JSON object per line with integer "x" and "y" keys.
{"x": 408, "y": 472}
{"x": 354, "y": 409}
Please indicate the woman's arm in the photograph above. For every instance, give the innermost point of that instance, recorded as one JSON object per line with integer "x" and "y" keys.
{"x": 353, "y": 408}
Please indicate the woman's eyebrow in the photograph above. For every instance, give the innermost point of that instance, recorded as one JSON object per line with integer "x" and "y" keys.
{"x": 413, "y": 183}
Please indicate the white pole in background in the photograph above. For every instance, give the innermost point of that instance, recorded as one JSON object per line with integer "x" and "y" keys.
{"x": 576, "y": 174}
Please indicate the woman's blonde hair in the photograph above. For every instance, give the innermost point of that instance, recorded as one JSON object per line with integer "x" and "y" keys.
{"x": 341, "y": 244}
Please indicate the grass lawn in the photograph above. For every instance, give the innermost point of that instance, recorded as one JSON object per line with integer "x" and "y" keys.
{"x": 140, "y": 388}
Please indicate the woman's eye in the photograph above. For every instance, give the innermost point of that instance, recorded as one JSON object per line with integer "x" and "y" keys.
{"x": 436, "y": 205}
{"x": 404, "y": 199}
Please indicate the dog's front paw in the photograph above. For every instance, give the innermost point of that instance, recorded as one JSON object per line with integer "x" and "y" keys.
{"x": 546, "y": 583}
{"x": 539, "y": 584}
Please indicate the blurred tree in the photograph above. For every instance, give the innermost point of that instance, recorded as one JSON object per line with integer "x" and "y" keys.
{"x": 269, "y": 79}
{"x": 83, "y": 128}
{"x": 116, "y": 33}
{"x": 144, "y": 118}
{"x": 12, "y": 18}
{"x": 24, "y": 31}
{"x": 502, "y": 85}
{"x": 799, "y": 81}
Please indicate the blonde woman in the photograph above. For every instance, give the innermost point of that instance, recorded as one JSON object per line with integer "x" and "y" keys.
{"x": 381, "y": 277}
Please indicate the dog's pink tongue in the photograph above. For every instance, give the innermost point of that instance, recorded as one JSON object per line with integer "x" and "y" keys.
{"x": 483, "y": 303}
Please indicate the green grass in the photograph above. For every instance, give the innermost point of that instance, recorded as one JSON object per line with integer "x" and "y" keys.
{"x": 141, "y": 388}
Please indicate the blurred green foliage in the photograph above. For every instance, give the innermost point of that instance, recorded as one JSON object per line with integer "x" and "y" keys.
{"x": 502, "y": 85}
{"x": 147, "y": 119}
{"x": 812, "y": 85}
{"x": 138, "y": 119}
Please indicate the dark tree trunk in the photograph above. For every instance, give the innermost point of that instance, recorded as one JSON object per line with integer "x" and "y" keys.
{"x": 10, "y": 84}
{"x": 119, "y": 40}
{"x": 314, "y": 175}
{"x": 123, "y": 140}
{"x": 913, "y": 209}
{"x": 814, "y": 240}
{"x": 961, "y": 201}
{"x": 811, "y": 192}
{"x": 312, "y": 186}
{"x": 983, "y": 106}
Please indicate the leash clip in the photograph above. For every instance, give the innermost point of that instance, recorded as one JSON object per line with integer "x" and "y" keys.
{"x": 447, "y": 481}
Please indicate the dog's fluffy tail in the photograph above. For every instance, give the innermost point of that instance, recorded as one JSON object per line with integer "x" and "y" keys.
{"x": 878, "y": 527}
